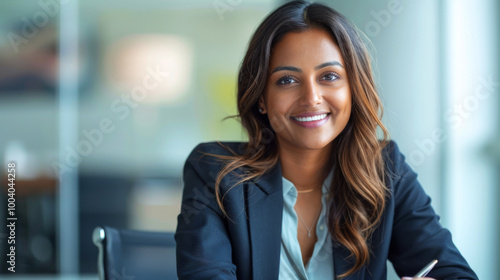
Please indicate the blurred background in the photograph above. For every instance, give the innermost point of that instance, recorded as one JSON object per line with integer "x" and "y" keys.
{"x": 102, "y": 101}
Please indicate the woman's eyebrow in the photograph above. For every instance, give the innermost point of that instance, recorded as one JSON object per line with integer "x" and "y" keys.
{"x": 289, "y": 68}
{"x": 295, "y": 69}
{"x": 331, "y": 63}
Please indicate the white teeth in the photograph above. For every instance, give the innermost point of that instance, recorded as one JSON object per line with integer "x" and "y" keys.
{"x": 310, "y": 119}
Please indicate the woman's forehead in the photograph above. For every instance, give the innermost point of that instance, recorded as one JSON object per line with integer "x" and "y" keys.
{"x": 311, "y": 47}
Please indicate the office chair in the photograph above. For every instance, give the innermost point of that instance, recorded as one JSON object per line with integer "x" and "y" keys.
{"x": 134, "y": 254}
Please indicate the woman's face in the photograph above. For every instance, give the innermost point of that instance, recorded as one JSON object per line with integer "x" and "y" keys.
{"x": 307, "y": 96}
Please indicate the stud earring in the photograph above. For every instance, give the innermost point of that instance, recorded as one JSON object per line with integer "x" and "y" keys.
{"x": 261, "y": 110}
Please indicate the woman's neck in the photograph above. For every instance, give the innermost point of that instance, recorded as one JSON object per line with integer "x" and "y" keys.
{"x": 306, "y": 169}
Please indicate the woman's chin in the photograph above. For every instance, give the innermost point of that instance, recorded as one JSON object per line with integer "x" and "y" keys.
{"x": 314, "y": 144}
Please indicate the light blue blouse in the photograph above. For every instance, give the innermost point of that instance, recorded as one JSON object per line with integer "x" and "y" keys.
{"x": 320, "y": 265}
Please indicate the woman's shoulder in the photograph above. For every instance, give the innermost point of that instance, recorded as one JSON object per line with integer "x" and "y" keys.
{"x": 395, "y": 161}
{"x": 207, "y": 160}
{"x": 213, "y": 155}
{"x": 390, "y": 147}
{"x": 217, "y": 148}
{"x": 391, "y": 152}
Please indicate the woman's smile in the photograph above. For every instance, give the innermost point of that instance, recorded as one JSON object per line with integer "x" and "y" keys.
{"x": 311, "y": 120}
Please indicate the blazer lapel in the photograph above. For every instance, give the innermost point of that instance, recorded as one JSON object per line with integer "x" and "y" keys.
{"x": 265, "y": 211}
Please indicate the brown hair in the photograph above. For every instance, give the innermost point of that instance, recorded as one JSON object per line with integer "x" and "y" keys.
{"x": 358, "y": 191}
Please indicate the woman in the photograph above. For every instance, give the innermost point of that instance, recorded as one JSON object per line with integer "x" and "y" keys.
{"x": 313, "y": 194}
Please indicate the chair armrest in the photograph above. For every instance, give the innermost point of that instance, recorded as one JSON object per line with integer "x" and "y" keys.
{"x": 99, "y": 239}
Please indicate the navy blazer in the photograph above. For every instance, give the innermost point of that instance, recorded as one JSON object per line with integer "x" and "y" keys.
{"x": 247, "y": 246}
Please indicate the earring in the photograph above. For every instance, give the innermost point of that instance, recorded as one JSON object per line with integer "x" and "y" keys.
{"x": 261, "y": 110}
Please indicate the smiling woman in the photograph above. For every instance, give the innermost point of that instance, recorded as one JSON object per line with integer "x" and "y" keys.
{"x": 313, "y": 194}
{"x": 307, "y": 93}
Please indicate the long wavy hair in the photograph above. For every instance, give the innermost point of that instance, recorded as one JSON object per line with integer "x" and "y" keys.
{"x": 358, "y": 192}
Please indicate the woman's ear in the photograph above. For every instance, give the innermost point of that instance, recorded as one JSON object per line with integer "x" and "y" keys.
{"x": 262, "y": 105}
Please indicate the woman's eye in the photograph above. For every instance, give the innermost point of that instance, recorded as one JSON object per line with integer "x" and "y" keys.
{"x": 330, "y": 77}
{"x": 285, "y": 80}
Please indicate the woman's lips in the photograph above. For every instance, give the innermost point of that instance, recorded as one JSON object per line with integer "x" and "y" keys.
{"x": 311, "y": 120}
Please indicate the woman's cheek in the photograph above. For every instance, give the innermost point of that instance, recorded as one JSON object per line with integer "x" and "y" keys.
{"x": 277, "y": 120}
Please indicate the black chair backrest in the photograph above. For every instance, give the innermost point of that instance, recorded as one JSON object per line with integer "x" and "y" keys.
{"x": 133, "y": 254}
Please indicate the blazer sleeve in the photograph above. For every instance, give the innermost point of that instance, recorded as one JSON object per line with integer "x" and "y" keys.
{"x": 417, "y": 235}
{"x": 203, "y": 248}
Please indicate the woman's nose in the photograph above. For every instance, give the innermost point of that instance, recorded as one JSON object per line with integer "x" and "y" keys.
{"x": 311, "y": 94}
